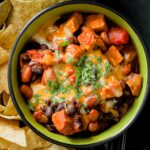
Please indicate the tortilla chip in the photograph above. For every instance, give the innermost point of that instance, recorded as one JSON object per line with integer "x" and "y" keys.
{"x": 10, "y": 117}
{"x": 8, "y": 37}
{"x": 2, "y": 28}
{"x": 13, "y": 146}
{"x": 10, "y": 109}
{"x": 11, "y": 132}
{"x": 2, "y": 108}
{"x": 5, "y": 98}
{"x": 5, "y": 7}
{"x": 23, "y": 10}
{"x": 4, "y": 56}
{"x": 3, "y": 78}
{"x": 34, "y": 141}
{"x": 4, "y": 144}
{"x": 55, "y": 147}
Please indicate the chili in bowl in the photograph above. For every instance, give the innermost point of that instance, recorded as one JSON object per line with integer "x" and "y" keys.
{"x": 79, "y": 74}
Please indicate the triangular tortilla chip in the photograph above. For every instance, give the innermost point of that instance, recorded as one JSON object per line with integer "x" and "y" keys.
{"x": 11, "y": 132}
{"x": 4, "y": 56}
{"x": 10, "y": 109}
{"x": 10, "y": 117}
{"x": 34, "y": 141}
{"x": 4, "y": 144}
{"x": 3, "y": 78}
{"x": 2, "y": 108}
{"x": 5, "y": 98}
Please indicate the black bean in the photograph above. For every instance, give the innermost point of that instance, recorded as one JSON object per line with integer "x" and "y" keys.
{"x": 71, "y": 109}
{"x": 78, "y": 125}
{"x": 50, "y": 127}
{"x": 44, "y": 46}
{"x": 37, "y": 69}
{"x": 25, "y": 58}
{"x": 60, "y": 107}
{"x": 44, "y": 108}
{"x": 32, "y": 63}
{"x": 34, "y": 77}
{"x": 48, "y": 102}
{"x": 49, "y": 112}
{"x": 74, "y": 102}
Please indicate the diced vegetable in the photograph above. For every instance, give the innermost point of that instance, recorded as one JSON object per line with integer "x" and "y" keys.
{"x": 114, "y": 55}
{"x": 48, "y": 75}
{"x": 112, "y": 88}
{"x": 118, "y": 36}
{"x": 96, "y": 22}
{"x": 134, "y": 81}
{"x": 82, "y": 75}
{"x": 74, "y": 22}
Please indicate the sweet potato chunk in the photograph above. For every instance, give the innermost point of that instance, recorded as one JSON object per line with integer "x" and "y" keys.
{"x": 126, "y": 69}
{"x": 88, "y": 39}
{"x": 105, "y": 37}
{"x": 134, "y": 81}
{"x": 72, "y": 52}
{"x": 112, "y": 88}
{"x": 96, "y": 22}
{"x": 100, "y": 43}
{"x": 114, "y": 55}
{"x": 63, "y": 123}
{"x": 74, "y": 22}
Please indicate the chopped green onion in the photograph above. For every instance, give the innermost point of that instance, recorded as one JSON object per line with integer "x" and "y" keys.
{"x": 70, "y": 58}
{"x": 107, "y": 68}
{"x": 65, "y": 43}
{"x": 30, "y": 106}
{"x": 59, "y": 73}
{"x": 36, "y": 98}
{"x": 52, "y": 85}
{"x": 57, "y": 54}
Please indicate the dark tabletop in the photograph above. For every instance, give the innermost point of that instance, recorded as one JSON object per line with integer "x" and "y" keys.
{"x": 138, "y": 135}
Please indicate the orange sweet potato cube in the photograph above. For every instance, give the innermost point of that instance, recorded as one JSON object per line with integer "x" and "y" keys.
{"x": 96, "y": 22}
{"x": 114, "y": 56}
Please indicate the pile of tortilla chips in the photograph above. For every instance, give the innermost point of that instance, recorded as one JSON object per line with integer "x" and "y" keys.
{"x": 14, "y": 135}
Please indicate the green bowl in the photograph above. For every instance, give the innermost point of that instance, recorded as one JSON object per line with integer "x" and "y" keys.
{"x": 32, "y": 26}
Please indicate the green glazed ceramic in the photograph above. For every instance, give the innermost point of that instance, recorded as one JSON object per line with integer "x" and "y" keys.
{"x": 25, "y": 35}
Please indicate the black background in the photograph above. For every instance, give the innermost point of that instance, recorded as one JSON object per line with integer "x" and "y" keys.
{"x": 138, "y": 13}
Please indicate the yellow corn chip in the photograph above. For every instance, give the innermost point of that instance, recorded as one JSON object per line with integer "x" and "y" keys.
{"x": 4, "y": 144}
{"x": 4, "y": 56}
{"x": 2, "y": 108}
{"x": 34, "y": 141}
{"x": 5, "y": 98}
{"x": 3, "y": 78}
{"x": 2, "y": 29}
{"x": 8, "y": 37}
{"x": 11, "y": 132}
{"x": 55, "y": 147}
{"x": 10, "y": 117}
{"x": 23, "y": 10}
{"x": 10, "y": 109}
{"x": 5, "y": 7}
{"x": 13, "y": 146}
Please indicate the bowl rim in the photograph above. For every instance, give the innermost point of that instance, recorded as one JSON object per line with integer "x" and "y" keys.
{"x": 10, "y": 85}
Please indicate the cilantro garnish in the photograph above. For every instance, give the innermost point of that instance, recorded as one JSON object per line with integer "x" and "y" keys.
{"x": 57, "y": 54}
{"x": 30, "y": 106}
{"x": 52, "y": 85}
{"x": 36, "y": 98}
{"x": 107, "y": 68}
{"x": 65, "y": 43}
{"x": 69, "y": 58}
